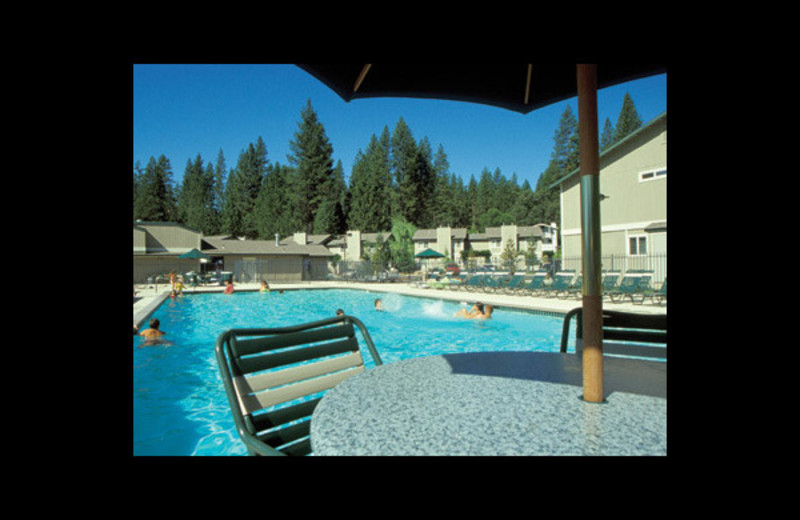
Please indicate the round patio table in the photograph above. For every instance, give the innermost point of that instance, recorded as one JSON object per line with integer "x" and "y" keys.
{"x": 494, "y": 403}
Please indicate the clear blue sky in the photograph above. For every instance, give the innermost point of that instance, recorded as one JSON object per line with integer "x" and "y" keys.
{"x": 182, "y": 110}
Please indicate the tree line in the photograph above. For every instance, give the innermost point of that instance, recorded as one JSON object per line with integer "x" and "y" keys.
{"x": 396, "y": 178}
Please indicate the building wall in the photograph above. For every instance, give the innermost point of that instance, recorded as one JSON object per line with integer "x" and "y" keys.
{"x": 165, "y": 237}
{"x": 146, "y": 266}
{"x": 631, "y": 204}
{"x": 273, "y": 268}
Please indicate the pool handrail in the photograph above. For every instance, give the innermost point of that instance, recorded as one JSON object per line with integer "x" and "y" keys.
{"x": 647, "y": 333}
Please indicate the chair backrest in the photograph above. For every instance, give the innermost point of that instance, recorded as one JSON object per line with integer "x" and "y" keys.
{"x": 629, "y": 282}
{"x": 274, "y": 378}
{"x": 624, "y": 333}
{"x": 562, "y": 280}
{"x": 516, "y": 281}
{"x": 610, "y": 281}
{"x": 537, "y": 281}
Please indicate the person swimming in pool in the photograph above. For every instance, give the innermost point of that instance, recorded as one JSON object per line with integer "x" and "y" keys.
{"x": 474, "y": 311}
{"x": 486, "y": 314}
{"x": 154, "y": 335}
{"x": 478, "y": 311}
{"x": 378, "y": 305}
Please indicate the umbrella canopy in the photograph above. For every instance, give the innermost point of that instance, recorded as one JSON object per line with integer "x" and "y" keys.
{"x": 429, "y": 253}
{"x": 195, "y": 254}
{"x": 521, "y": 88}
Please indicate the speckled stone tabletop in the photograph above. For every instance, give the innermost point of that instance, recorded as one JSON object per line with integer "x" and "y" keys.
{"x": 494, "y": 403}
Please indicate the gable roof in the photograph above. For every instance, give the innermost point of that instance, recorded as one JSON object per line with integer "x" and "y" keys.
{"x": 430, "y": 234}
{"x": 262, "y": 247}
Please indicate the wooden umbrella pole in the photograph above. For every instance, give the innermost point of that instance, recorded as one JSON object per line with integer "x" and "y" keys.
{"x": 590, "y": 232}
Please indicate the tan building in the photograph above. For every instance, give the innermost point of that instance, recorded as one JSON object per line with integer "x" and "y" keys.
{"x": 446, "y": 240}
{"x": 157, "y": 247}
{"x": 542, "y": 237}
{"x": 633, "y": 210}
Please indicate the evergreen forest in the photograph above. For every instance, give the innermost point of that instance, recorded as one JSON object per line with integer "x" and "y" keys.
{"x": 396, "y": 177}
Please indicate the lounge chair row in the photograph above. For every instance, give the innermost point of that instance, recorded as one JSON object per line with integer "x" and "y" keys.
{"x": 634, "y": 285}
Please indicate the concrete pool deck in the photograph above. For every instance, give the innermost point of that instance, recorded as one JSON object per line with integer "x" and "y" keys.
{"x": 149, "y": 297}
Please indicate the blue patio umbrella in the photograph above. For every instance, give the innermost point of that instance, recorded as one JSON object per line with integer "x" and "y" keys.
{"x": 522, "y": 88}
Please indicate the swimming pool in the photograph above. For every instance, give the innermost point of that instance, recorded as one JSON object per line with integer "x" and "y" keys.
{"x": 179, "y": 402}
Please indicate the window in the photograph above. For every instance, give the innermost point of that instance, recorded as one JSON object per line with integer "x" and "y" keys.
{"x": 652, "y": 175}
{"x": 637, "y": 246}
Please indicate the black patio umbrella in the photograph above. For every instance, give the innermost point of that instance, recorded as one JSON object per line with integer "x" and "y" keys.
{"x": 522, "y": 88}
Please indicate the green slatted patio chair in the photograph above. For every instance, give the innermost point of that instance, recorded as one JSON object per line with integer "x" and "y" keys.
{"x": 514, "y": 284}
{"x": 653, "y": 294}
{"x": 561, "y": 283}
{"x": 535, "y": 285}
{"x": 470, "y": 283}
{"x": 491, "y": 284}
{"x": 274, "y": 378}
{"x": 610, "y": 280}
{"x": 631, "y": 286}
{"x": 574, "y": 289}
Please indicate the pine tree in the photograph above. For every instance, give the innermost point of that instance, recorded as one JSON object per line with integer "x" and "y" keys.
{"x": 155, "y": 197}
{"x": 242, "y": 190}
{"x": 371, "y": 187}
{"x": 330, "y": 217}
{"x": 522, "y": 210}
{"x": 194, "y": 206}
{"x": 274, "y": 208}
{"x": 628, "y": 121}
{"x": 401, "y": 244}
{"x": 425, "y": 179}
{"x": 444, "y": 211}
{"x": 404, "y": 165}
{"x": 312, "y": 157}
{"x": 137, "y": 182}
{"x": 563, "y": 160}
{"x": 607, "y": 136}
{"x": 218, "y": 195}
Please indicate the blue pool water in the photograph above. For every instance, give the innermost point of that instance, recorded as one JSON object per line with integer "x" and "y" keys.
{"x": 179, "y": 402}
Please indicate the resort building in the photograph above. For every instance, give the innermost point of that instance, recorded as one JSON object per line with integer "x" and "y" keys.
{"x": 158, "y": 247}
{"x": 446, "y": 240}
{"x": 541, "y": 237}
{"x": 633, "y": 208}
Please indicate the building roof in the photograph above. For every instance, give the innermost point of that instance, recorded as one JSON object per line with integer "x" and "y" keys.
{"x": 141, "y": 224}
{"x": 262, "y": 247}
{"x": 310, "y": 240}
{"x": 430, "y": 234}
{"x": 373, "y": 237}
{"x": 522, "y": 232}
